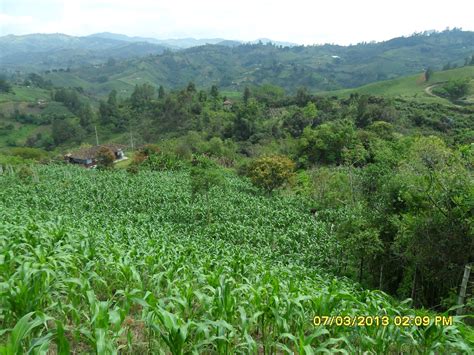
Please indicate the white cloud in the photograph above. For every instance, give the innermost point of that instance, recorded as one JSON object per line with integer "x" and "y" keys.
{"x": 9, "y": 20}
{"x": 303, "y": 21}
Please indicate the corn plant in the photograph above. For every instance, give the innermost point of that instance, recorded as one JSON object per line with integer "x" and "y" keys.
{"x": 105, "y": 262}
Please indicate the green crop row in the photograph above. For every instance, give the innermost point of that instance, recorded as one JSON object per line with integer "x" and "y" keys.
{"x": 109, "y": 262}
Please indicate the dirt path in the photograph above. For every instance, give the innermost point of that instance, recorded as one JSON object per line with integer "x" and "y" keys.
{"x": 429, "y": 92}
{"x": 429, "y": 89}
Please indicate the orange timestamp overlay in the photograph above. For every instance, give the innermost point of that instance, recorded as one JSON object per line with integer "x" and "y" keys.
{"x": 382, "y": 321}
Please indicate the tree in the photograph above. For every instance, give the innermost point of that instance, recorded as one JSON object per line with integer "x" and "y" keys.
{"x": 310, "y": 111}
{"x": 435, "y": 230}
{"x": 364, "y": 117}
{"x": 204, "y": 176}
{"x": 191, "y": 88}
{"x": 62, "y": 131}
{"x": 325, "y": 143}
{"x": 214, "y": 91}
{"x": 244, "y": 125}
{"x": 86, "y": 116}
{"x": 5, "y": 85}
{"x": 271, "y": 172}
{"x": 246, "y": 96}
{"x": 70, "y": 99}
{"x": 296, "y": 123}
{"x": 302, "y": 96}
{"x": 456, "y": 89}
{"x": 142, "y": 96}
{"x": 359, "y": 239}
{"x": 428, "y": 74}
{"x": 105, "y": 158}
{"x": 161, "y": 92}
{"x": 268, "y": 94}
{"x": 112, "y": 99}
{"x": 39, "y": 81}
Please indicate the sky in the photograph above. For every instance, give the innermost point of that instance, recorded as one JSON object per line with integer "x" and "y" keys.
{"x": 299, "y": 21}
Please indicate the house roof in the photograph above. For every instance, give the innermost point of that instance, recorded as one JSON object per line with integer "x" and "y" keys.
{"x": 91, "y": 152}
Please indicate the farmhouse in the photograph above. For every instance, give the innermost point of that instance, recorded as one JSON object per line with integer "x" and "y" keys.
{"x": 88, "y": 156}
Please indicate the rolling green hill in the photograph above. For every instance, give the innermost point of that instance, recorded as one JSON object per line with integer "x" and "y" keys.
{"x": 415, "y": 86}
{"x": 28, "y": 112}
{"x": 39, "y": 52}
{"x": 319, "y": 68}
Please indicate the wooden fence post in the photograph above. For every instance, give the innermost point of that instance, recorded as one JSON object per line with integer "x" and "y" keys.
{"x": 462, "y": 291}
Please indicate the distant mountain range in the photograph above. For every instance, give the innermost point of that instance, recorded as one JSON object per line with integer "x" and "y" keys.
{"x": 231, "y": 65}
{"x": 48, "y": 51}
{"x": 183, "y": 43}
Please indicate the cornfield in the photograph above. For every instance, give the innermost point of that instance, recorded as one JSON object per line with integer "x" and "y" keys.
{"x": 107, "y": 262}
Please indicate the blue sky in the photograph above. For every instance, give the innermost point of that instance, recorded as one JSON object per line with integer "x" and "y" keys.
{"x": 300, "y": 21}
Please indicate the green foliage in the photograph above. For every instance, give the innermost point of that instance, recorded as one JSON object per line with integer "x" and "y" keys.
{"x": 454, "y": 89}
{"x": 330, "y": 187}
{"x": 70, "y": 98}
{"x": 141, "y": 96}
{"x": 105, "y": 158}
{"x": 383, "y": 130}
{"x": 28, "y": 153}
{"x": 136, "y": 269}
{"x": 63, "y": 130}
{"x": 204, "y": 176}
{"x": 267, "y": 93}
{"x": 271, "y": 172}
{"x": 434, "y": 233}
{"x": 359, "y": 239}
{"x": 163, "y": 161}
{"x": 428, "y": 73}
{"x": 5, "y": 86}
{"x": 325, "y": 144}
{"x": 38, "y": 81}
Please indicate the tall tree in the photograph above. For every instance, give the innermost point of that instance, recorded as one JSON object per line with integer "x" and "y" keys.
{"x": 142, "y": 96}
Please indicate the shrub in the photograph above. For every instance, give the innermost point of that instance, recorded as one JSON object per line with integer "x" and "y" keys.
{"x": 163, "y": 161}
{"x": 105, "y": 158}
{"x": 28, "y": 153}
{"x": 453, "y": 89}
{"x": 144, "y": 153}
{"x": 272, "y": 172}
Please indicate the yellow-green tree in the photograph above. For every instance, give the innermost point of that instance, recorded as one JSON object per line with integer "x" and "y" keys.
{"x": 272, "y": 172}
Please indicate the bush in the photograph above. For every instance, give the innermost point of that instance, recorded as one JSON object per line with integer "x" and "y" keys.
{"x": 453, "y": 89}
{"x": 144, "y": 153}
{"x": 163, "y": 161}
{"x": 203, "y": 179}
{"x": 272, "y": 172}
{"x": 105, "y": 158}
{"x": 28, "y": 153}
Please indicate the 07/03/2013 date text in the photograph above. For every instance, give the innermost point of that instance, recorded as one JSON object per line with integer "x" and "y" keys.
{"x": 382, "y": 321}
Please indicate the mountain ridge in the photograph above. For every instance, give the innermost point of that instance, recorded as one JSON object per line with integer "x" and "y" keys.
{"x": 232, "y": 66}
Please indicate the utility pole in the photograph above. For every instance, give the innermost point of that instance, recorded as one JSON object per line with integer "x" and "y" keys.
{"x": 131, "y": 139}
{"x": 96, "y": 136}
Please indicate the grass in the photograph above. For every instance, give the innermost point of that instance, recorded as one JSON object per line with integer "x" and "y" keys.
{"x": 108, "y": 262}
{"x": 64, "y": 79}
{"x": 20, "y": 133}
{"x": 25, "y": 94}
{"x": 412, "y": 87}
{"x": 232, "y": 95}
